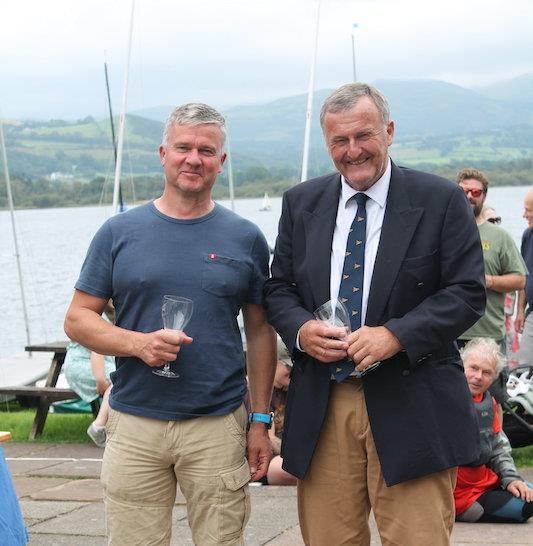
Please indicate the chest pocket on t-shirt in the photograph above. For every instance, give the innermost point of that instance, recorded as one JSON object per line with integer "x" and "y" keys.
{"x": 222, "y": 276}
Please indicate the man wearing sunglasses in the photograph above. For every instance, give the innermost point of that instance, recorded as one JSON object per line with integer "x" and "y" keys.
{"x": 505, "y": 270}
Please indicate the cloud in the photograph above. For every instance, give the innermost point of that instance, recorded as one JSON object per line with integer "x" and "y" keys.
{"x": 234, "y": 51}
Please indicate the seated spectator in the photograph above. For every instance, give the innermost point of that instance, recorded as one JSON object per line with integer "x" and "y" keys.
{"x": 276, "y": 475}
{"x": 489, "y": 489}
{"x": 88, "y": 375}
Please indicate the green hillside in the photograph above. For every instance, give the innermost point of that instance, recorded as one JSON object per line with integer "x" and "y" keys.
{"x": 439, "y": 127}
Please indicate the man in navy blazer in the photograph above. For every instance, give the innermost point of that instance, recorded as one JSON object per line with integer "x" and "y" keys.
{"x": 390, "y": 440}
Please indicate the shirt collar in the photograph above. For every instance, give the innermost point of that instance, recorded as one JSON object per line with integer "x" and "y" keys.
{"x": 377, "y": 192}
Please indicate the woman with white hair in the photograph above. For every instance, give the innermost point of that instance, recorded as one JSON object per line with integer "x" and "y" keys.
{"x": 489, "y": 489}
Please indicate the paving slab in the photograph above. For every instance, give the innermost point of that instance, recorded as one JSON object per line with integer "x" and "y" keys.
{"x": 88, "y": 520}
{"x": 517, "y": 534}
{"x": 35, "y": 468}
{"x": 89, "y": 490}
{"x": 270, "y": 517}
{"x": 65, "y": 511}
{"x": 290, "y": 537}
{"x": 26, "y": 486}
{"x": 44, "y": 510}
{"x": 75, "y": 469}
{"x": 66, "y": 540}
{"x": 36, "y": 449}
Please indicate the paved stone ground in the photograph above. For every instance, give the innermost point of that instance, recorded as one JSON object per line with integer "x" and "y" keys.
{"x": 61, "y": 499}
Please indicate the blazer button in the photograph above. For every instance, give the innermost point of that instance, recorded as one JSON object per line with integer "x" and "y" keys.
{"x": 405, "y": 373}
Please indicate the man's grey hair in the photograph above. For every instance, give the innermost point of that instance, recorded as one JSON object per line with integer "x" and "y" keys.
{"x": 345, "y": 97}
{"x": 194, "y": 113}
{"x": 487, "y": 349}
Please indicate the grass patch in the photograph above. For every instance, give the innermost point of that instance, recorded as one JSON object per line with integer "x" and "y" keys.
{"x": 523, "y": 456}
{"x": 59, "y": 428}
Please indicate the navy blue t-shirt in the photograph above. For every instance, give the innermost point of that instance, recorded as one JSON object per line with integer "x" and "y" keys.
{"x": 220, "y": 261}
{"x": 527, "y": 253}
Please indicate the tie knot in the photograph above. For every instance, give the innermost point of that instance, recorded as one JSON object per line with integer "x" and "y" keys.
{"x": 361, "y": 199}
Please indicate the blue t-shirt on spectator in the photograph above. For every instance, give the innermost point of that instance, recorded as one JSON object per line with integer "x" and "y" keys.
{"x": 220, "y": 261}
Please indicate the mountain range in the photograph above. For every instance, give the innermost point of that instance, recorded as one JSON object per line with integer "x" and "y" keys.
{"x": 437, "y": 123}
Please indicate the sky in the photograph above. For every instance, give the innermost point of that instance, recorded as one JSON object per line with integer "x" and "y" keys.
{"x": 229, "y": 52}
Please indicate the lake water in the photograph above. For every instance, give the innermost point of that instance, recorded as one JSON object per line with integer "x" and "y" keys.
{"x": 53, "y": 243}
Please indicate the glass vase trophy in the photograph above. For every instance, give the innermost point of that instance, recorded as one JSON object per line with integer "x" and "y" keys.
{"x": 176, "y": 312}
{"x": 334, "y": 312}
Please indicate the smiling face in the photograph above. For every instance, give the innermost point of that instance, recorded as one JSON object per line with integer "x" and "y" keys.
{"x": 480, "y": 373}
{"x": 358, "y": 141}
{"x": 192, "y": 158}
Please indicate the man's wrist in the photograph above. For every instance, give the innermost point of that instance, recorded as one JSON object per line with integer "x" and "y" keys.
{"x": 262, "y": 418}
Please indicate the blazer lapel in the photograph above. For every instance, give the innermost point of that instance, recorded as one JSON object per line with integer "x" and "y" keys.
{"x": 398, "y": 228}
{"x": 319, "y": 225}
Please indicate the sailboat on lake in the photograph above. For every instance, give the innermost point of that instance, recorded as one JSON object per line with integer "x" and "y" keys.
{"x": 267, "y": 205}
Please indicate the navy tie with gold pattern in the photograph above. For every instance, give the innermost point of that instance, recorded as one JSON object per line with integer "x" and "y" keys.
{"x": 351, "y": 287}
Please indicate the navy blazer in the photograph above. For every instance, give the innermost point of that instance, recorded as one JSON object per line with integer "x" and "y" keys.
{"x": 427, "y": 288}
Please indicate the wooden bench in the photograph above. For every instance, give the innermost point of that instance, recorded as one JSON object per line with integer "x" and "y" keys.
{"x": 49, "y": 393}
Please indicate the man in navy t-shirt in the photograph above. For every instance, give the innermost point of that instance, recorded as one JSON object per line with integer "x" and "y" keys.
{"x": 189, "y": 430}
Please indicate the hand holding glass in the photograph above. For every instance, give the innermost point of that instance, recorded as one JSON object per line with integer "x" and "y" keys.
{"x": 334, "y": 313}
{"x": 176, "y": 312}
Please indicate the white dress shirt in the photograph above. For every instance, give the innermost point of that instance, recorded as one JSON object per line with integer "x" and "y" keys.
{"x": 375, "y": 212}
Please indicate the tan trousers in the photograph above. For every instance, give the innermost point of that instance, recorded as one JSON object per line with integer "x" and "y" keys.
{"x": 145, "y": 458}
{"x": 344, "y": 482}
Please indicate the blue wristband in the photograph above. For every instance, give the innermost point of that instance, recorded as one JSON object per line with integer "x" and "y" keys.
{"x": 266, "y": 418}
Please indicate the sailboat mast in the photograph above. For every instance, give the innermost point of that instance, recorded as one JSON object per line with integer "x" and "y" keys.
{"x": 112, "y": 123}
{"x": 309, "y": 111}
{"x": 13, "y": 225}
{"x": 122, "y": 122}
{"x": 354, "y": 26}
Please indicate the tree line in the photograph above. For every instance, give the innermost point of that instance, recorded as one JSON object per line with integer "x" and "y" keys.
{"x": 253, "y": 181}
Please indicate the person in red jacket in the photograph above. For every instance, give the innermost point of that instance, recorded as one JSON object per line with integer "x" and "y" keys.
{"x": 489, "y": 489}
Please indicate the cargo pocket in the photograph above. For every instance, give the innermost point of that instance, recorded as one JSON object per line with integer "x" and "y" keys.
{"x": 235, "y": 503}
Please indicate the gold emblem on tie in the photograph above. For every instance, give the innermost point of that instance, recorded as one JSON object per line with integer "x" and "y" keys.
{"x": 344, "y": 300}
{"x": 337, "y": 370}
{"x": 360, "y": 218}
{"x": 347, "y": 253}
{"x": 356, "y": 266}
{"x": 354, "y": 312}
{"x": 344, "y": 276}
{"x": 355, "y": 289}
{"x": 357, "y": 243}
